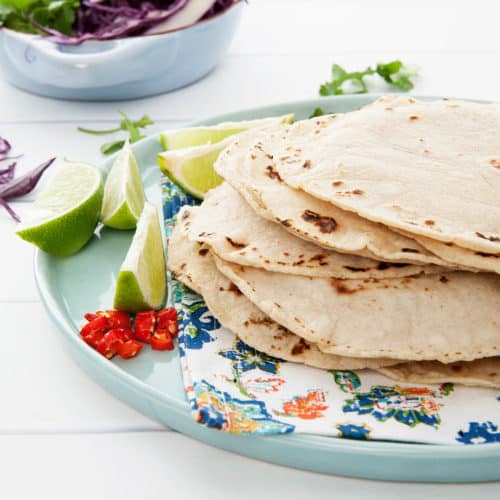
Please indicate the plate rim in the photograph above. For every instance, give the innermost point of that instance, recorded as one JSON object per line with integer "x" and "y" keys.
{"x": 379, "y": 448}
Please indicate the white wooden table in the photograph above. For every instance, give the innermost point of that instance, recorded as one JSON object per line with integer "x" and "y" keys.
{"x": 61, "y": 435}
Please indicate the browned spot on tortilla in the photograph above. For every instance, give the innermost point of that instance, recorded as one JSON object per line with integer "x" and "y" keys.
{"x": 495, "y": 163}
{"x": 484, "y": 254}
{"x": 273, "y": 174}
{"x": 337, "y": 183}
{"x": 358, "y": 191}
{"x": 324, "y": 223}
{"x": 456, "y": 368}
{"x": 317, "y": 131}
{"x": 233, "y": 288}
{"x": 414, "y": 117}
{"x": 183, "y": 266}
{"x": 300, "y": 347}
{"x": 356, "y": 269}
{"x": 411, "y": 100}
{"x": 306, "y": 164}
{"x": 281, "y": 263}
{"x": 288, "y": 148}
{"x": 277, "y": 305}
{"x": 449, "y": 244}
{"x": 421, "y": 140}
{"x": 269, "y": 156}
{"x": 458, "y": 353}
{"x": 342, "y": 289}
{"x": 297, "y": 319}
{"x": 235, "y": 244}
{"x": 429, "y": 222}
{"x": 286, "y": 222}
{"x": 253, "y": 156}
{"x": 203, "y": 251}
{"x": 283, "y": 158}
{"x": 388, "y": 108}
{"x": 410, "y": 250}
{"x": 201, "y": 234}
{"x": 246, "y": 323}
{"x": 286, "y": 254}
{"x": 427, "y": 151}
{"x": 298, "y": 263}
{"x": 382, "y": 266}
{"x": 319, "y": 256}
{"x": 262, "y": 321}
{"x": 492, "y": 375}
{"x": 489, "y": 238}
{"x": 444, "y": 279}
{"x": 185, "y": 215}
{"x": 267, "y": 261}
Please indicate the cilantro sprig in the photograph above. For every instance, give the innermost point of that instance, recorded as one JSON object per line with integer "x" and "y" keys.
{"x": 343, "y": 82}
{"x": 126, "y": 124}
{"x": 58, "y": 15}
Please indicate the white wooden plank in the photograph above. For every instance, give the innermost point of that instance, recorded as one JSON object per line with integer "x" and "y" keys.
{"x": 42, "y": 388}
{"x": 244, "y": 81}
{"x": 148, "y": 466}
{"x": 347, "y": 26}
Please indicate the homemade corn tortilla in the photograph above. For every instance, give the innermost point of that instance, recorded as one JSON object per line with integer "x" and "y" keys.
{"x": 248, "y": 165}
{"x": 237, "y": 234}
{"x": 482, "y": 372}
{"x": 193, "y": 265}
{"x": 449, "y": 317}
{"x": 427, "y": 168}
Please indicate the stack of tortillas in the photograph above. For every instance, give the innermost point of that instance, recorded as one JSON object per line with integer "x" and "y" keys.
{"x": 369, "y": 239}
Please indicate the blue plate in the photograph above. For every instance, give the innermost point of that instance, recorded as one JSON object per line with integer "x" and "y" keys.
{"x": 152, "y": 382}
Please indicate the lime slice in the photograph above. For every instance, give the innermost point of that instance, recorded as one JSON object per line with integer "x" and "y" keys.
{"x": 123, "y": 192}
{"x": 142, "y": 280}
{"x": 196, "y": 136}
{"x": 193, "y": 168}
{"x": 66, "y": 212}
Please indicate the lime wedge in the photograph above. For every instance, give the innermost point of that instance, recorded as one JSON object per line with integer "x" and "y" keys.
{"x": 123, "y": 192}
{"x": 193, "y": 168}
{"x": 66, "y": 212}
{"x": 196, "y": 136}
{"x": 142, "y": 280}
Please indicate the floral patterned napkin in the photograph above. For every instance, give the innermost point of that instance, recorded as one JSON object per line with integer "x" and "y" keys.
{"x": 232, "y": 387}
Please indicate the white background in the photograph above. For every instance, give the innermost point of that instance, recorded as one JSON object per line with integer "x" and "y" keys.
{"x": 61, "y": 435}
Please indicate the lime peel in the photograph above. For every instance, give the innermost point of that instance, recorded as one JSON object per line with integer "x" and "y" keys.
{"x": 66, "y": 212}
{"x": 142, "y": 282}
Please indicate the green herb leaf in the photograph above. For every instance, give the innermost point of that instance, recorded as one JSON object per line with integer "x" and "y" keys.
{"x": 126, "y": 124}
{"x": 317, "y": 112}
{"x": 342, "y": 82}
{"x": 397, "y": 74}
{"x": 109, "y": 148}
{"x": 133, "y": 131}
{"x": 59, "y": 15}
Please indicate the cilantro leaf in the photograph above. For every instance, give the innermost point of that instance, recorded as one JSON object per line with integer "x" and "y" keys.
{"x": 342, "y": 82}
{"x": 59, "y": 15}
{"x": 316, "y": 112}
{"x": 126, "y": 124}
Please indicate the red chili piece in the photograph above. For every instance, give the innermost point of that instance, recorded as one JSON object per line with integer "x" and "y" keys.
{"x": 144, "y": 326}
{"x": 94, "y": 330}
{"x": 130, "y": 349}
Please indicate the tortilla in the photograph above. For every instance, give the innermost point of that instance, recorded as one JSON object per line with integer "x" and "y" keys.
{"x": 482, "y": 372}
{"x": 462, "y": 257}
{"x": 427, "y": 168}
{"x": 449, "y": 317}
{"x": 194, "y": 266}
{"x": 236, "y": 233}
{"x": 253, "y": 175}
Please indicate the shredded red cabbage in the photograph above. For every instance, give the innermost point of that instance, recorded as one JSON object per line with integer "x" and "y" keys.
{"x": 111, "y": 19}
{"x": 5, "y": 147}
{"x": 11, "y": 188}
{"x": 7, "y": 174}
